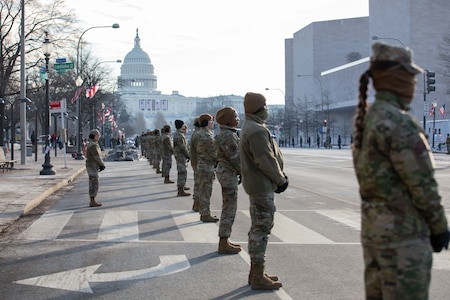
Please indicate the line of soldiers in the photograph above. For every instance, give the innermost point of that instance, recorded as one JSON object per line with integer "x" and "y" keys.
{"x": 221, "y": 156}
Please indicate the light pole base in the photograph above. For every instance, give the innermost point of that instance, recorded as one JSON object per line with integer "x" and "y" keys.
{"x": 47, "y": 167}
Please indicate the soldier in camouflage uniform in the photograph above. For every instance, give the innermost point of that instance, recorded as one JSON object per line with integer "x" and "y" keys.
{"x": 262, "y": 175}
{"x": 228, "y": 170}
{"x": 181, "y": 153}
{"x": 157, "y": 145}
{"x": 167, "y": 152}
{"x": 151, "y": 148}
{"x": 193, "y": 156}
{"x": 403, "y": 220}
{"x": 94, "y": 164}
{"x": 207, "y": 159}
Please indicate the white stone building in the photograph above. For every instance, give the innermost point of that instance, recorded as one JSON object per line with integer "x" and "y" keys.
{"x": 138, "y": 89}
{"x": 321, "y": 84}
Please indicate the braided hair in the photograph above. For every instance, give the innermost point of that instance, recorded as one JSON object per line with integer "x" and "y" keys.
{"x": 361, "y": 109}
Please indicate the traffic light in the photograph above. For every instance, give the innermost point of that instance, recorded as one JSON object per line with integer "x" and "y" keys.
{"x": 430, "y": 82}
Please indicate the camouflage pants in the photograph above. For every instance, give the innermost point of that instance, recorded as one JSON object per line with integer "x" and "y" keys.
{"x": 229, "y": 183}
{"x": 262, "y": 211}
{"x": 206, "y": 178}
{"x": 166, "y": 165}
{"x": 182, "y": 171}
{"x": 196, "y": 194}
{"x": 93, "y": 182}
{"x": 157, "y": 160}
{"x": 400, "y": 273}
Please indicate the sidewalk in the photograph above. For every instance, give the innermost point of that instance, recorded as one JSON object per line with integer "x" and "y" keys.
{"x": 22, "y": 189}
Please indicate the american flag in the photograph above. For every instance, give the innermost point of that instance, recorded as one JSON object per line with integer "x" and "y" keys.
{"x": 77, "y": 94}
{"x": 442, "y": 110}
{"x": 90, "y": 92}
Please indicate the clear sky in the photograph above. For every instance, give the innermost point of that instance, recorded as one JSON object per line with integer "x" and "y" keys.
{"x": 206, "y": 47}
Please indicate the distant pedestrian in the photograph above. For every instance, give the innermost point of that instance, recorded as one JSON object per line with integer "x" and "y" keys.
{"x": 339, "y": 141}
{"x": 262, "y": 175}
{"x": 301, "y": 142}
{"x": 309, "y": 142}
{"x": 318, "y": 141}
{"x": 228, "y": 171}
{"x": 403, "y": 220}
{"x": 94, "y": 164}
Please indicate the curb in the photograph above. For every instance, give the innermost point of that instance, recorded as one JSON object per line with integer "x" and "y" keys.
{"x": 38, "y": 200}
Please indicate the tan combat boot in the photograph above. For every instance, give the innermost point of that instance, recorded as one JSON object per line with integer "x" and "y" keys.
{"x": 226, "y": 248}
{"x": 271, "y": 277}
{"x": 158, "y": 170}
{"x": 167, "y": 180}
{"x": 182, "y": 193}
{"x": 260, "y": 282}
{"x": 94, "y": 203}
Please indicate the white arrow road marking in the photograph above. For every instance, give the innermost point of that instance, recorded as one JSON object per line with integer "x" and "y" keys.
{"x": 78, "y": 279}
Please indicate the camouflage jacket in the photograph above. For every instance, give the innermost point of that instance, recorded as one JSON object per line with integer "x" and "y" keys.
{"x": 93, "y": 156}
{"x": 157, "y": 144}
{"x": 180, "y": 147}
{"x": 395, "y": 171}
{"x": 166, "y": 146}
{"x": 193, "y": 149}
{"x": 228, "y": 155}
{"x": 261, "y": 158}
{"x": 206, "y": 151}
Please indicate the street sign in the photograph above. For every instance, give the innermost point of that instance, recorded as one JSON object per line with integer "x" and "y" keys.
{"x": 60, "y": 60}
{"x": 62, "y": 67}
{"x": 55, "y": 104}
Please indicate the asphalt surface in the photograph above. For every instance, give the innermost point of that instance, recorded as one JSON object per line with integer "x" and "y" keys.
{"x": 23, "y": 188}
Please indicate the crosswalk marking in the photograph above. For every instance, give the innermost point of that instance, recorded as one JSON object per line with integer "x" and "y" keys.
{"x": 289, "y": 231}
{"x": 193, "y": 230}
{"x": 347, "y": 217}
{"x": 119, "y": 226}
{"x": 48, "y": 226}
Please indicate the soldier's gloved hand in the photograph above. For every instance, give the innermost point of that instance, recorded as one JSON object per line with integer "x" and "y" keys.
{"x": 239, "y": 179}
{"x": 188, "y": 159}
{"x": 102, "y": 168}
{"x": 440, "y": 241}
{"x": 282, "y": 187}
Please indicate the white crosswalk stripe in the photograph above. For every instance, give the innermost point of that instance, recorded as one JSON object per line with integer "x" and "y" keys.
{"x": 291, "y": 232}
{"x": 48, "y": 226}
{"x": 347, "y": 217}
{"x": 119, "y": 226}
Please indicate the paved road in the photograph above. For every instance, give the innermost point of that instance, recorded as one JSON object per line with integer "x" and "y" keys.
{"x": 146, "y": 243}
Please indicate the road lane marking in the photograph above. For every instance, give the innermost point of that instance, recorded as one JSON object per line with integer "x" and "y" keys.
{"x": 78, "y": 279}
{"x": 347, "y": 217}
{"x": 289, "y": 231}
{"x": 193, "y": 230}
{"x": 48, "y": 226}
{"x": 119, "y": 226}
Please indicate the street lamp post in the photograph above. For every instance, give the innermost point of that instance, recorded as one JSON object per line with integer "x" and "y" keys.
{"x": 79, "y": 83}
{"x": 13, "y": 127}
{"x": 434, "y": 119}
{"x": 47, "y": 167}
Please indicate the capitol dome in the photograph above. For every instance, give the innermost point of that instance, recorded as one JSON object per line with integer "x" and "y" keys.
{"x": 137, "y": 71}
